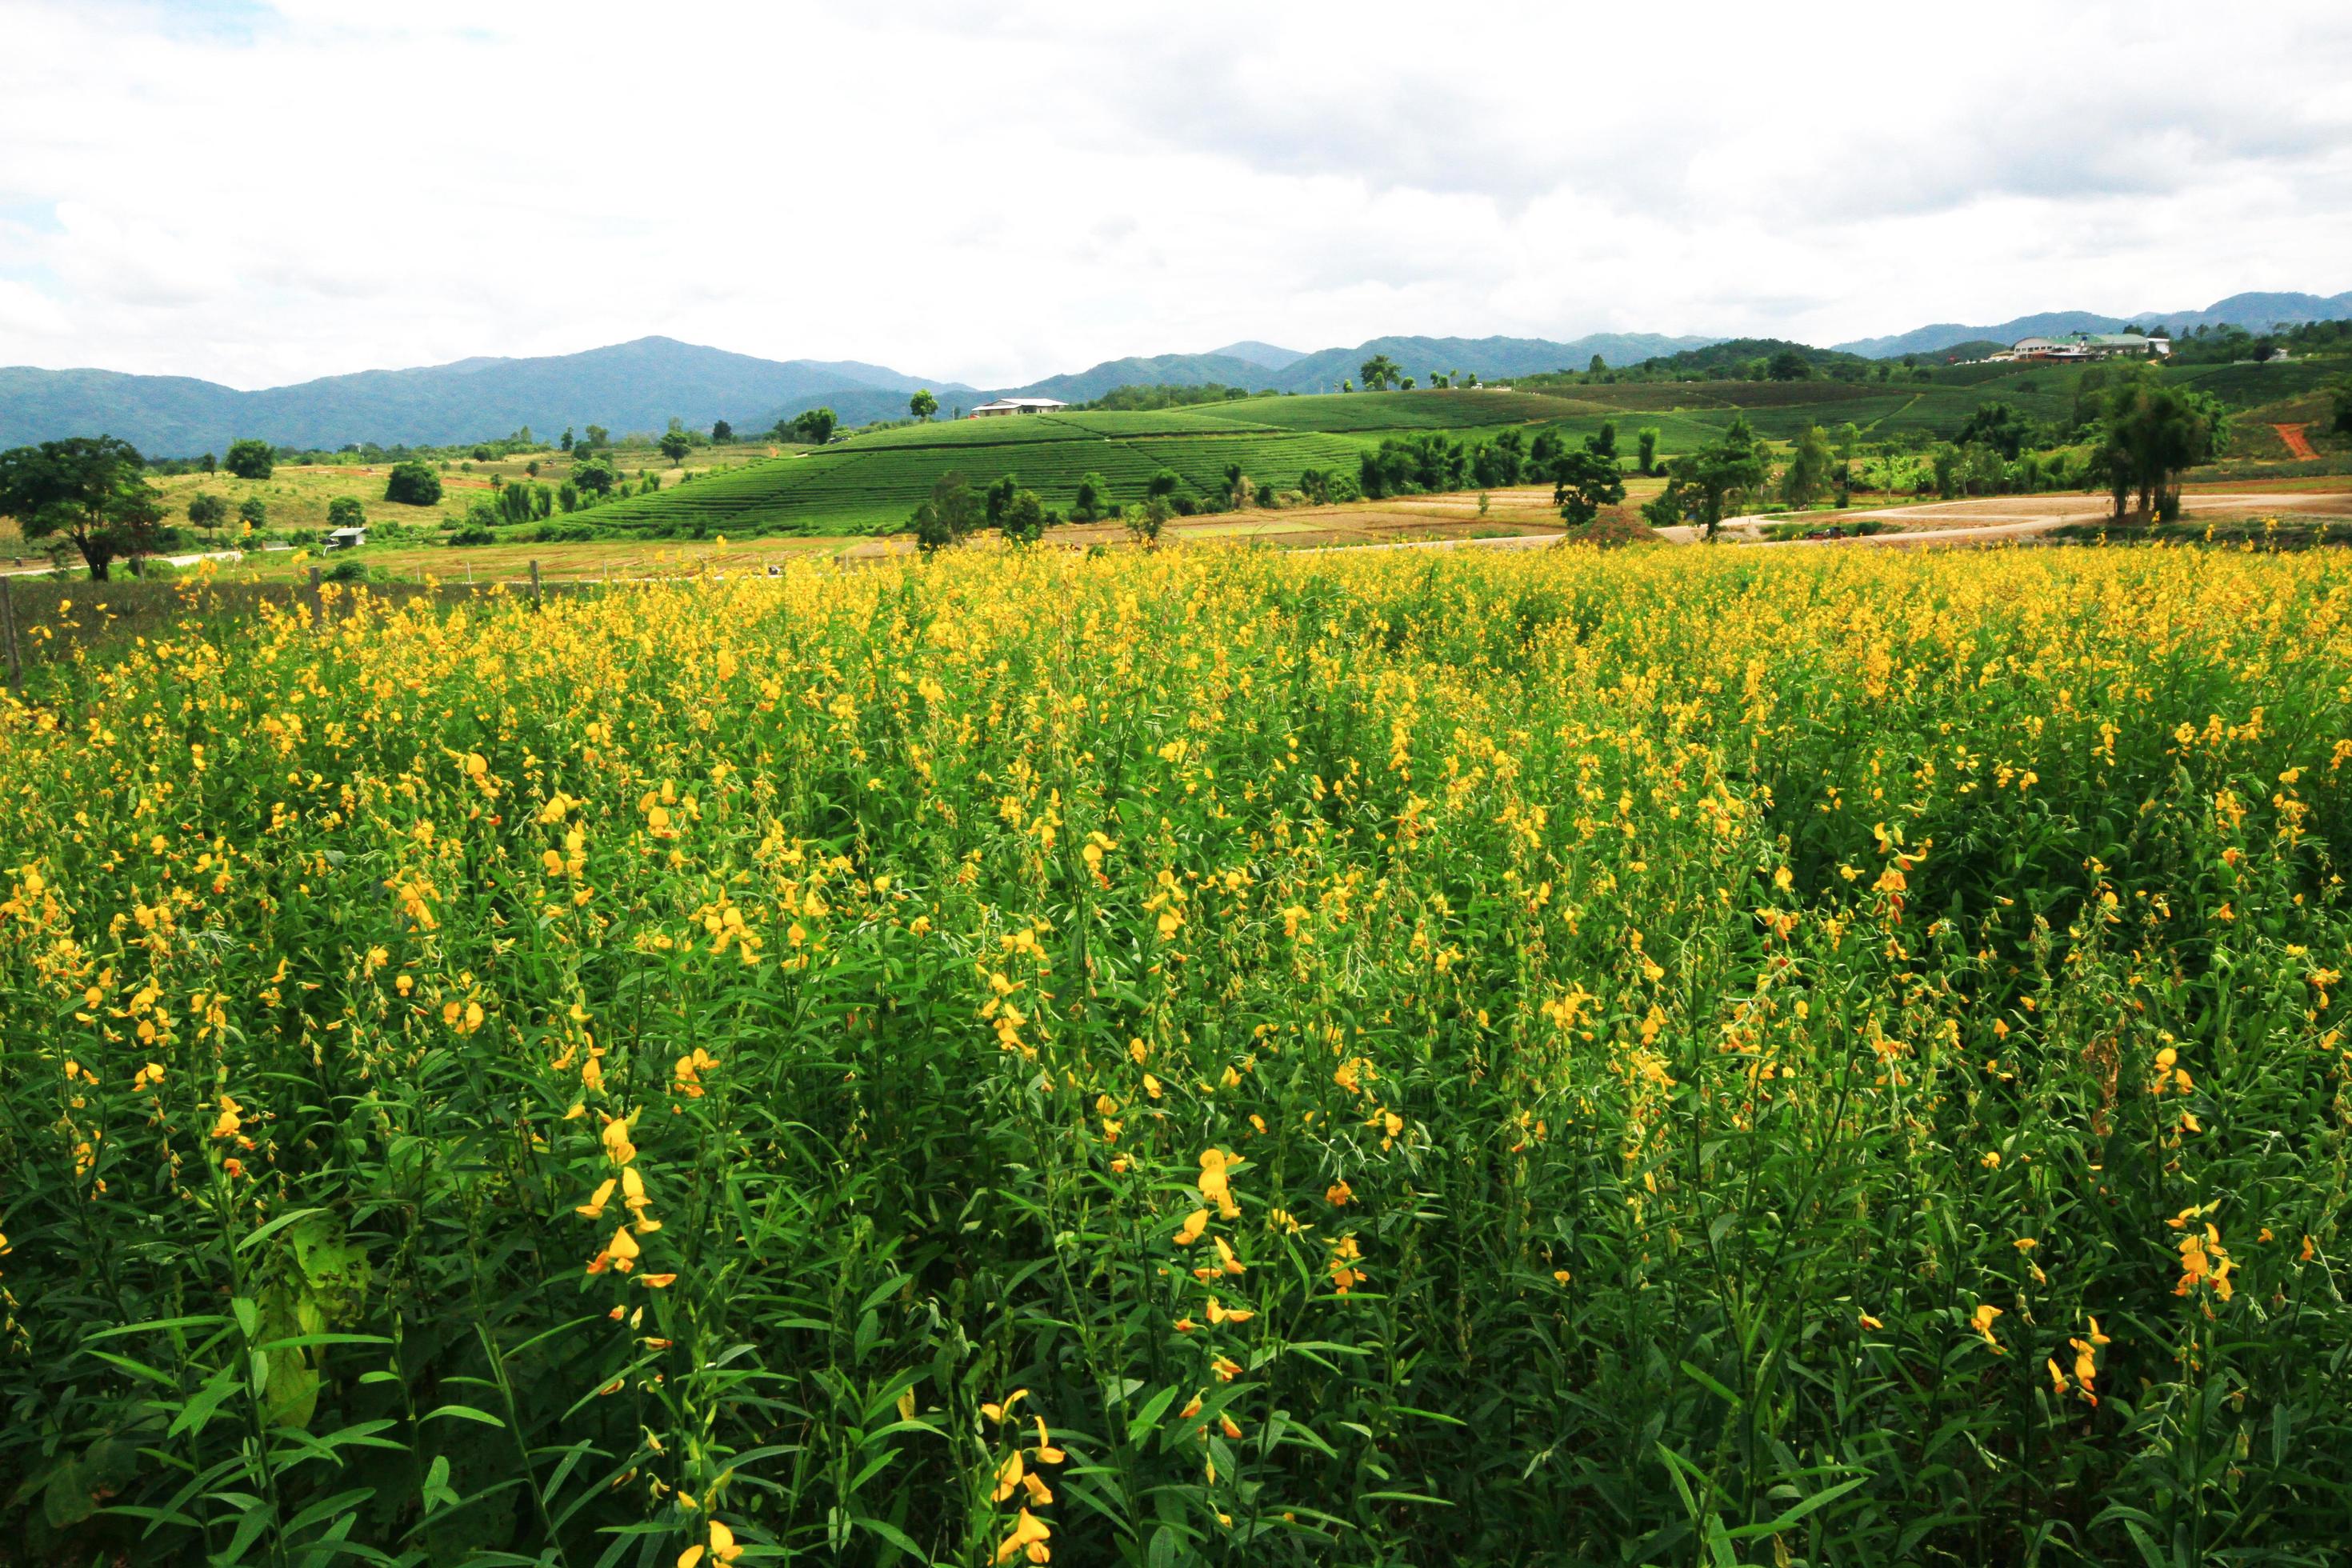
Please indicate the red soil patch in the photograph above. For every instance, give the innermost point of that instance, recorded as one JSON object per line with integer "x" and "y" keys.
{"x": 2296, "y": 444}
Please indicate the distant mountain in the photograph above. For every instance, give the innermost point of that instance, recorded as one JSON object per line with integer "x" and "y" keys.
{"x": 1487, "y": 358}
{"x": 638, "y": 386}
{"x": 2254, "y": 312}
{"x": 1259, "y": 354}
{"x": 1159, "y": 370}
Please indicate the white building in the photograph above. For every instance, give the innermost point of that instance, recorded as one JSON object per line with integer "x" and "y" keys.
{"x": 2088, "y": 346}
{"x": 1017, "y": 406}
{"x": 345, "y": 538}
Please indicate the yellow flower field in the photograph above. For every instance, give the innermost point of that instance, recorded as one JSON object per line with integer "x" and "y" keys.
{"x": 1203, "y": 1057}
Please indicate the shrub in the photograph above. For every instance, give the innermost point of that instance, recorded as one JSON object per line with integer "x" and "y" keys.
{"x": 413, "y": 483}
{"x": 250, "y": 459}
{"x": 345, "y": 511}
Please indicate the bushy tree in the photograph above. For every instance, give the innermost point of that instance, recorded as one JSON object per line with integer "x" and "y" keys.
{"x": 1720, "y": 475}
{"x": 815, "y": 426}
{"x": 595, "y": 477}
{"x": 254, "y": 512}
{"x": 1145, "y": 523}
{"x": 1998, "y": 426}
{"x": 2340, "y": 389}
{"x": 345, "y": 511}
{"x": 721, "y": 433}
{"x": 1378, "y": 372}
{"x": 922, "y": 405}
{"x": 675, "y": 445}
{"x": 1597, "y": 366}
{"x": 1807, "y": 473}
{"x": 599, "y": 437}
{"x": 566, "y": 442}
{"x": 206, "y": 511}
{"x": 952, "y": 514}
{"x": 1023, "y": 518}
{"x": 1788, "y": 364}
{"x": 2150, "y": 434}
{"x": 1163, "y": 483}
{"x": 250, "y": 459}
{"x": 1604, "y": 440}
{"x": 1584, "y": 481}
{"x": 1093, "y": 498}
{"x": 88, "y": 489}
{"x": 413, "y": 483}
{"x": 1647, "y": 448}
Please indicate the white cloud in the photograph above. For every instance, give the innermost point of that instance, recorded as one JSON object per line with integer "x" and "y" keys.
{"x": 258, "y": 194}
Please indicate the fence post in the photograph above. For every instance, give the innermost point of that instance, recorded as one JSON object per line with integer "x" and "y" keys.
{"x": 317, "y": 603}
{"x": 534, "y": 585}
{"x": 9, "y": 627}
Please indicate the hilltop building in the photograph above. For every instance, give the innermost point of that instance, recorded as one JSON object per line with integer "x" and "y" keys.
{"x": 1016, "y": 405}
{"x": 2080, "y": 346}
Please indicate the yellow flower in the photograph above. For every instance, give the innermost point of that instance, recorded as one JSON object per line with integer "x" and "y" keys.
{"x": 1008, "y": 1476}
{"x": 594, "y": 1207}
{"x": 1226, "y": 1258}
{"x": 620, "y": 1253}
{"x": 1028, "y": 1537}
{"x": 723, "y": 1548}
{"x": 1339, "y": 1193}
{"x": 1194, "y": 1224}
{"x": 617, "y": 1146}
{"x": 1982, "y": 1323}
{"x": 1213, "y": 1185}
{"x": 1219, "y": 1313}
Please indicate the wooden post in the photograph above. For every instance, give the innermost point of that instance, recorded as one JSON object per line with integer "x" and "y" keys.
{"x": 8, "y": 630}
{"x": 317, "y": 603}
{"x": 534, "y": 585}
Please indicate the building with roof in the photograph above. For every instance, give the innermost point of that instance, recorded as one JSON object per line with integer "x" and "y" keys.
{"x": 1016, "y": 405}
{"x": 2077, "y": 347}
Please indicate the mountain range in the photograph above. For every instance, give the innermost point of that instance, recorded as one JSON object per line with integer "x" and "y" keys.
{"x": 643, "y": 385}
{"x": 2254, "y": 312}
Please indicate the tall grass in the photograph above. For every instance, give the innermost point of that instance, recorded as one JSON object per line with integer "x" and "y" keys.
{"x": 1197, "y": 1058}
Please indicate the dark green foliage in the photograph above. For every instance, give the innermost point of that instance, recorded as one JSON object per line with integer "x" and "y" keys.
{"x": 675, "y": 445}
{"x": 1093, "y": 498}
{"x": 923, "y": 405}
{"x": 815, "y": 426}
{"x": 951, "y": 515}
{"x": 594, "y": 477}
{"x": 206, "y": 509}
{"x": 1648, "y": 448}
{"x": 1583, "y": 482}
{"x": 88, "y": 489}
{"x": 722, "y": 432}
{"x": 345, "y": 511}
{"x": 2000, "y": 426}
{"x": 1720, "y": 475}
{"x": 1021, "y": 518}
{"x": 413, "y": 483}
{"x": 250, "y": 459}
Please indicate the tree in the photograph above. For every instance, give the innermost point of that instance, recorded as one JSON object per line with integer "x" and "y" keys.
{"x": 208, "y": 463}
{"x": 2341, "y": 390}
{"x": 1808, "y": 472}
{"x": 91, "y": 489}
{"x": 1405, "y": 384}
{"x": 922, "y": 405}
{"x": 1788, "y": 365}
{"x": 951, "y": 515}
{"x": 1597, "y": 366}
{"x": 207, "y": 511}
{"x": 2000, "y": 426}
{"x": 721, "y": 433}
{"x": 1720, "y": 474}
{"x": 345, "y": 511}
{"x": 595, "y": 477}
{"x": 1163, "y": 483}
{"x": 566, "y": 442}
{"x": 1647, "y": 438}
{"x": 1145, "y": 523}
{"x": 253, "y": 512}
{"x": 1094, "y": 498}
{"x": 1584, "y": 481}
{"x": 675, "y": 445}
{"x": 1023, "y": 518}
{"x": 482, "y": 454}
{"x": 1238, "y": 486}
{"x": 1378, "y": 372}
{"x": 815, "y": 426}
{"x": 599, "y": 437}
{"x": 413, "y": 483}
{"x": 1603, "y": 440}
{"x": 2151, "y": 433}
{"x": 249, "y": 459}
{"x": 1665, "y": 510}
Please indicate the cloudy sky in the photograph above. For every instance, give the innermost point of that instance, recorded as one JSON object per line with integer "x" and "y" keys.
{"x": 256, "y": 193}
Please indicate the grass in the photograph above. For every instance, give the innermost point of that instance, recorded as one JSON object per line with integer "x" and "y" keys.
{"x": 1197, "y": 1057}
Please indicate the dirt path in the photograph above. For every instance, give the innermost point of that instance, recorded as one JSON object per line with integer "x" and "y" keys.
{"x": 2296, "y": 444}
